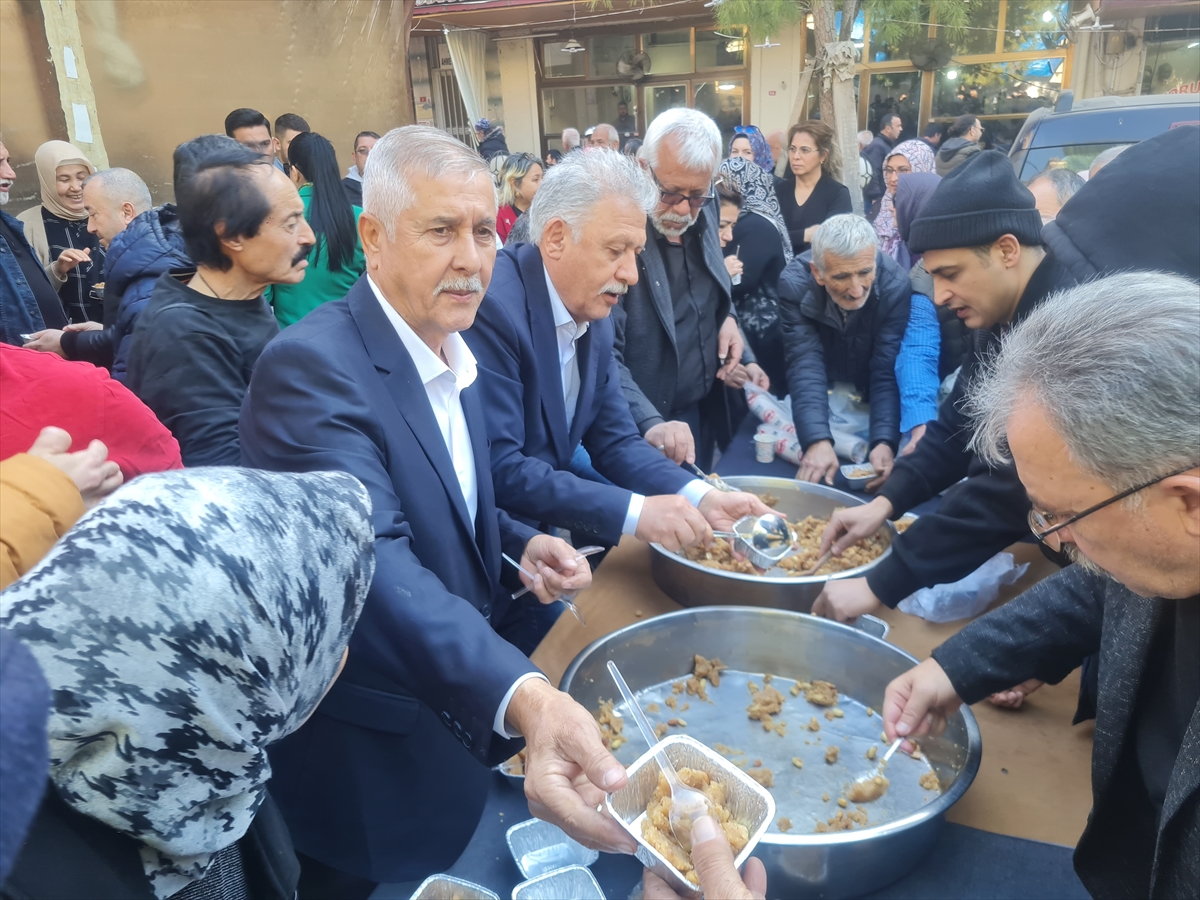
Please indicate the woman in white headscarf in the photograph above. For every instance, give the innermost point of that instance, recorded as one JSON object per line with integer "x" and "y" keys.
{"x": 57, "y": 230}
{"x": 183, "y": 625}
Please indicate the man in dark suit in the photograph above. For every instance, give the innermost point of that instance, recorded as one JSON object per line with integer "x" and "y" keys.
{"x": 676, "y": 337}
{"x": 544, "y": 339}
{"x": 1093, "y": 398}
{"x": 875, "y": 153}
{"x": 384, "y": 782}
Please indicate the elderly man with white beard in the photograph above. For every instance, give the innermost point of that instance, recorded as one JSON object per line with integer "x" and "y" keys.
{"x": 1093, "y": 397}
{"x": 676, "y": 337}
{"x": 544, "y": 341}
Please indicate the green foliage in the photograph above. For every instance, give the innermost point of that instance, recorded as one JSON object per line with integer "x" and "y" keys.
{"x": 892, "y": 19}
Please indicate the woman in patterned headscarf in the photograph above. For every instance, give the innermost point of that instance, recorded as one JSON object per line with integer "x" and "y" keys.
{"x": 906, "y": 158}
{"x": 183, "y": 625}
{"x": 760, "y": 241}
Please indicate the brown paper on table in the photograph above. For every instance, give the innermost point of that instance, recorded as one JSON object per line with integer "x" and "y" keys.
{"x": 1035, "y": 777}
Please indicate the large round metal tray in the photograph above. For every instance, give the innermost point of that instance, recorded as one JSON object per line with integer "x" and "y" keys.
{"x": 691, "y": 584}
{"x": 792, "y": 645}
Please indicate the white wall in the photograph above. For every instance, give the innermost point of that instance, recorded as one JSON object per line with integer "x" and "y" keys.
{"x": 777, "y": 70}
{"x": 518, "y": 88}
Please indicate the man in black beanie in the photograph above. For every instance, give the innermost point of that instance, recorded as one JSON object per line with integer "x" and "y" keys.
{"x": 980, "y": 234}
{"x": 982, "y": 241}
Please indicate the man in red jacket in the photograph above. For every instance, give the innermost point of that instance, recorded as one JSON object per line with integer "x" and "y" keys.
{"x": 42, "y": 389}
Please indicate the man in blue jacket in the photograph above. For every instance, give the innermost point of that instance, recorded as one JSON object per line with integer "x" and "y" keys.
{"x": 140, "y": 245}
{"x": 384, "y": 783}
{"x": 551, "y": 384}
{"x": 843, "y": 306}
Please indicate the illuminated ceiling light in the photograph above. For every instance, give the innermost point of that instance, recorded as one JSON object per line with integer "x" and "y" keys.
{"x": 1047, "y": 16}
{"x": 572, "y": 46}
{"x": 725, "y": 87}
{"x": 952, "y": 74}
{"x": 1193, "y": 44}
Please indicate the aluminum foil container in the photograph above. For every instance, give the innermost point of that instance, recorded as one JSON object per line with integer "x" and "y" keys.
{"x": 539, "y": 847}
{"x": 447, "y": 887}
{"x": 575, "y": 882}
{"x": 748, "y": 801}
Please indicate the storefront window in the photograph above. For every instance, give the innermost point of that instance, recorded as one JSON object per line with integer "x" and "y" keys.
{"x": 722, "y": 102}
{"x": 1035, "y": 25}
{"x": 716, "y": 49}
{"x": 603, "y": 53}
{"x": 1172, "y": 55}
{"x": 670, "y": 52}
{"x": 579, "y": 107}
{"x": 558, "y": 63}
{"x": 899, "y": 93}
{"x": 990, "y": 89}
{"x": 662, "y": 97}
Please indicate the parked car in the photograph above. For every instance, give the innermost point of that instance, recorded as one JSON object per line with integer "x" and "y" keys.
{"x": 1073, "y": 133}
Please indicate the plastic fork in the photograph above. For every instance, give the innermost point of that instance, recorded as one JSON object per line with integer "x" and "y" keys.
{"x": 687, "y": 804}
{"x": 567, "y": 599}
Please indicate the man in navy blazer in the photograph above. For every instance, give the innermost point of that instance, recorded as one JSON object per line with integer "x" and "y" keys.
{"x": 545, "y": 341}
{"x": 385, "y": 782}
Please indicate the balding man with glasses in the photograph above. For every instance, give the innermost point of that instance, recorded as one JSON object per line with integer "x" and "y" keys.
{"x": 676, "y": 338}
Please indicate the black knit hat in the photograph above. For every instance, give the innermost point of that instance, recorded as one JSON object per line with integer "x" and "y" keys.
{"x": 974, "y": 205}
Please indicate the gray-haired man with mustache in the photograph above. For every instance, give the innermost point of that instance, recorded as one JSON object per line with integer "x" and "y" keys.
{"x": 381, "y": 385}
{"x": 544, "y": 339}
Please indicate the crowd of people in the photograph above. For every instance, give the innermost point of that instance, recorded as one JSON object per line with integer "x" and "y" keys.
{"x": 284, "y": 657}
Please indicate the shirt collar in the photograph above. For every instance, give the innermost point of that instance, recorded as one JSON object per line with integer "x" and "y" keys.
{"x": 459, "y": 363}
{"x": 562, "y": 316}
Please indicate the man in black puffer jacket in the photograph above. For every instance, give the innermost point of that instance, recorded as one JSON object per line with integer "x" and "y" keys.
{"x": 843, "y": 307}
{"x": 980, "y": 210}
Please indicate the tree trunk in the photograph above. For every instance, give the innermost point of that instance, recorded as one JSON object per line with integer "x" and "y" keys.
{"x": 823, "y": 14}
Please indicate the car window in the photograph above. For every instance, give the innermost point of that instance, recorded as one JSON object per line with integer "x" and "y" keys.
{"x": 1077, "y": 157}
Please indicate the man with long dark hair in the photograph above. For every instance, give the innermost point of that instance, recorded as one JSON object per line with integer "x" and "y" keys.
{"x": 198, "y": 338}
{"x": 337, "y": 259}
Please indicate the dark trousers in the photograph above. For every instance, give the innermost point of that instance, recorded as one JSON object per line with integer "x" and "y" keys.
{"x": 702, "y": 432}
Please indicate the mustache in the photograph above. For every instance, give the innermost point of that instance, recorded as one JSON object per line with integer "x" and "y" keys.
{"x": 615, "y": 288}
{"x": 469, "y": 284}
{"x": 302, "y": 255}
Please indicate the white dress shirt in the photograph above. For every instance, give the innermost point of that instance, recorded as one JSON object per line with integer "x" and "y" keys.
{"x": 569, "y": 332}
{"x": 444, "y": 383}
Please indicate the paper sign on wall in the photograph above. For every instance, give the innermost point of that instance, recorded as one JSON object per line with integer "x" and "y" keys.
{"x": 83, "y": 122}
{"x": 69, "y": 63}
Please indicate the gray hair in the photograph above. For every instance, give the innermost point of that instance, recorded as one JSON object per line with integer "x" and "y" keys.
{"x": 571, "y": 190}
{"x": 1104, "y": 158}
{"x": 842, "y": 236}
{"x": 696, "y": 140}
{"x": 864, "y": 137}
{"x": 1064, "y": 181}
{"x": 570, "y": 138}
{"x": 124, "y": 186}
{"x": 1115, "y": 366}
{"x": 607, "y": 132}
{"x": 413, "y": 150}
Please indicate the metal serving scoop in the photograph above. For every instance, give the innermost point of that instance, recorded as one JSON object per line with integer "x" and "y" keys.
{"x": 764, "y": 540}
{"x": 687, "y": 804}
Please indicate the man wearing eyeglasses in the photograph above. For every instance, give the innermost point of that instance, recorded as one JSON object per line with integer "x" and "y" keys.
{"x": 1093, "y": 398}
{"x": 676, "y": 339}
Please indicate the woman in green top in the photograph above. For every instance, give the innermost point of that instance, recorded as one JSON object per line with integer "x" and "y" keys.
{"x": 336, "y": 261}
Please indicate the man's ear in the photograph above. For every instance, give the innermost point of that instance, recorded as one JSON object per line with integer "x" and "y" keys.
{"x": 1009, "y": 249}
{"x": 233, "y": 245}
{"x": 816, "y": 273}
{"x": 128, "y": 213}
{"x": 373, "y": 236}
{"x": 554, "y": 239}
{"x": 1187, "y": 488}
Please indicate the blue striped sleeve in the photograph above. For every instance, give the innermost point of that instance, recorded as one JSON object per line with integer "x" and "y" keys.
{"x": 917, "y": 365}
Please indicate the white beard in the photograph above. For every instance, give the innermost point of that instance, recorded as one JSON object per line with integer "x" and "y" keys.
{"x": 670, "y": 225}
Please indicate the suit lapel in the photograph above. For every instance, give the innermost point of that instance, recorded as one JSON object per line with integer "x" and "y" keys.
{"x": 404, "y": 385}
{"x": 545, "y": 348}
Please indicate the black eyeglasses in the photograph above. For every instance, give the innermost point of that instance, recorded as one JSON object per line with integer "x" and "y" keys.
{"x": 1047, "y": 533}
{"x": 672, "y": 198}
